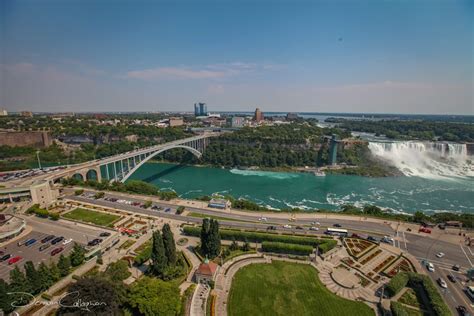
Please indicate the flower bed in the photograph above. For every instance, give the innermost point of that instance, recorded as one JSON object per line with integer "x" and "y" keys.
{"x": 357, "y": 247}
{"x": 382, "y": 265}
{"x": 371, "y": 256}
{"x": 401, "y": 266}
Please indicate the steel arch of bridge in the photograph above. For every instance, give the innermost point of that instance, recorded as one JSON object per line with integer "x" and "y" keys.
{"x": 124, "y": 166}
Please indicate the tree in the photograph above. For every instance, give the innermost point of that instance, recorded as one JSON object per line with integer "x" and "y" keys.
{"x": 33, "y": 277}
{"x": 98, "y": 291}
{"x": 45, "y": 276}
{"x": 205, "y": 236}
{"x": 158, "y": 255}
{"x": 19, "y": 283}
{"x": 153, "y": 297}
{"x": 5, "y": 301}
{"x": 118, "y": 271}
{"x": 77, "y": 255}
{"x": 54, "y": 271}
{"x": 64, "y": 265}
{"x": 215, "y": 239}
{"x": 170, "y": 247}
{"x": 234, "y": 245}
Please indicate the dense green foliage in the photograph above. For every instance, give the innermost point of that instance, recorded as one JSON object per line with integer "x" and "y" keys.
{"x": 423, "y": 282}
{"x": 397, "y": 283}
{"x": 422, "y": 130}
{"x": 151, "y": 297}
{"x": 210, "y": 238}
{"x": 158, "y": 255}
{"x": 324, "y": 244}
{"x": 132, "y": 186}
{"x": 398, "y": 309}
{"x": 283, "y": 288}
{"x": 293, "y": 249}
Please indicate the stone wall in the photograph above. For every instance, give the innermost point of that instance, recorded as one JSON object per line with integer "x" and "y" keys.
{"x": 19, "y": 139}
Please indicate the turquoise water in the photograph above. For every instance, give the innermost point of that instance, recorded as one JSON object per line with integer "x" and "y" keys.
{"x": 283, "y": 189}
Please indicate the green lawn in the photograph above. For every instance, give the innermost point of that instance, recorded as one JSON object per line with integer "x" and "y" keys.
{"x": 97, "y": 218}
{"x": 284, "y": 288}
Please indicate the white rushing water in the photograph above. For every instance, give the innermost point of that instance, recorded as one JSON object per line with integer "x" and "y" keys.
{"x": 426, "y": 159}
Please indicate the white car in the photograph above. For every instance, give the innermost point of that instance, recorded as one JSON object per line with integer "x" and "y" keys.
{"x": 442, "y": 283}
{"x": 314, "y": 228}
{"x": 287, "y": 226}
{"x": 440, "y": 255}
{"x": 264, "y": 219}
{"x": 67, "y": 241}
{"x": 430, "y": 267}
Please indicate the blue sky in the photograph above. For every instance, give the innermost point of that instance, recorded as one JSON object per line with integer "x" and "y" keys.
{"x": 322, "y": 56}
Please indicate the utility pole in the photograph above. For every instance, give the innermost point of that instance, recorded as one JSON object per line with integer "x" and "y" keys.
{"x": 38, "y": 157}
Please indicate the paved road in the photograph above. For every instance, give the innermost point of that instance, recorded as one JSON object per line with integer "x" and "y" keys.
{"x": 358, "y": 226}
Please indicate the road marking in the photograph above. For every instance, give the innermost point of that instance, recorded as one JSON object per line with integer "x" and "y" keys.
{"x": 466, "y": 255}
{"x": 472, "y": 253}
{"x": 404, "y": 240}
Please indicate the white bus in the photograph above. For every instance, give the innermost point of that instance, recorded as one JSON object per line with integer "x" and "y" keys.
{"x": 336, "y": 231}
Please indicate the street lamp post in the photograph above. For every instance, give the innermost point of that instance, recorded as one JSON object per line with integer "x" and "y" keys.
{"x": 38, "y": 157}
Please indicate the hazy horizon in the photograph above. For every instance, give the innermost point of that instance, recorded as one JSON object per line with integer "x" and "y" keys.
{"x": 328, "y": 57}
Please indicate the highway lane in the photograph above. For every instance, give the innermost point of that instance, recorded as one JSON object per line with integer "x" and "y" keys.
{"x": 358, "y": 226}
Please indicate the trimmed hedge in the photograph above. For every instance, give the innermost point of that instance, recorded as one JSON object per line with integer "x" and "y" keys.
{"x": 293, "y": 249}
{"x": 419, "y": 281}
{"x": 227, "y": 234}
{"x": 398, "y": 309}
{"x": 397, "y": 283}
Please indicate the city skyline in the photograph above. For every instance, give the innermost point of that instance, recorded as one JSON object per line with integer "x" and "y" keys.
{"x": 362, "y": 56}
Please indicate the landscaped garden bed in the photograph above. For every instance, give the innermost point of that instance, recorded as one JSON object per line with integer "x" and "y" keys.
{"x": 384, "y": 263}
{"x": 357, "y": 247}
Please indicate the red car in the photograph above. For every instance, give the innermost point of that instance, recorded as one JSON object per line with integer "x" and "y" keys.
{"x": 14, "y": 260}
{"x": 424, "y": 230}
{"x": 56, "y": 251}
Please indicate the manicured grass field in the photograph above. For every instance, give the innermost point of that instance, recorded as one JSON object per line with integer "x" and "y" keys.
{"x": 97, "y": 218}
{"x": 284, "y": 288}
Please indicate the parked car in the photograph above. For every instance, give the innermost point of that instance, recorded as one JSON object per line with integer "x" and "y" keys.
{"x": 30, "y": 242}
{"x": 14, "y": 260}
{"x": 56, "y": 251}
{"x": 94, "y": 242}
{"x": 56, "y": 240}
{"x": 167, "y": 210}
{"x": 104, "y": 234}
{"x": 22, "y": 242}
{"x": 442, "y": 283}
{"x": 373, "y": 239}
{"x": 5, "y": 257}
{"x": 440, "y": 255}
{"x": 451, "y": 278}
{"x": 456, "y": 267}
{"x": 424, "y": 230}
{"x": 430, "y": 267}
{"x": 462, "y": 310}
{"x": 67, "y": 241}
{"x": 47, "y": 238}
{"x": 45, "y": 246}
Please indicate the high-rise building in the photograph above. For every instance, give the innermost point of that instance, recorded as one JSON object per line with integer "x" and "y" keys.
{"x": 3, "y": 112}
{"x": 237, "y": 121}
{"x": 258, "y": 117}
{"x": 200, "y": 109}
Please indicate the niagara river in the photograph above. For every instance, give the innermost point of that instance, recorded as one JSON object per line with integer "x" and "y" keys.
{"x": 305, "y": 191}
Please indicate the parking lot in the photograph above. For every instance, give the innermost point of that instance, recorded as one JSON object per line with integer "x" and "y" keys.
{"x": 80, "y": 234}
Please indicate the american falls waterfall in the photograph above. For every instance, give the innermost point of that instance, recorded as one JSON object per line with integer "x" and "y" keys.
{"x": 426, "y": 159}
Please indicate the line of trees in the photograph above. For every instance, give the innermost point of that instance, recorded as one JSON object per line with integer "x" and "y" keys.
{"x": 210, "y": 238}
{"x": 34, "y": 280}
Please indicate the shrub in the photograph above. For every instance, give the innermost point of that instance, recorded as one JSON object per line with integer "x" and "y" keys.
{"x": 398, "y": 309}
{"x": 418, "y": 281}
{"x": 227, "y": 234}
{"x": 78, "y": 192}
{"x": 46, "y": 296}
{"x": 99, "y": 195}
{"x": 397, "y": 283}
{"x": 293, "y": 249}
{"x": 54, "y": 216}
